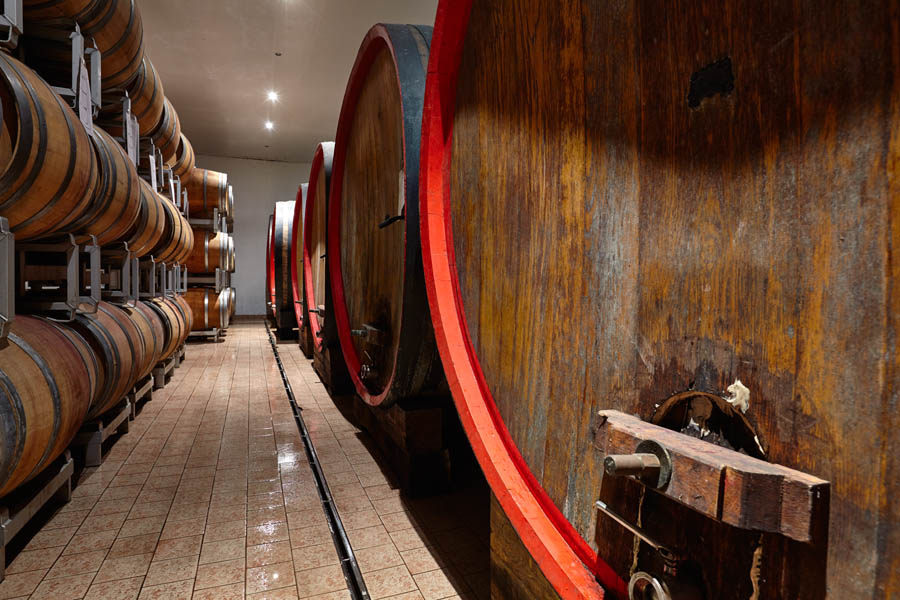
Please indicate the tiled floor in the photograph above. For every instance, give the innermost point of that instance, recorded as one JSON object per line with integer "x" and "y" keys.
{"x": 209, "y": 496}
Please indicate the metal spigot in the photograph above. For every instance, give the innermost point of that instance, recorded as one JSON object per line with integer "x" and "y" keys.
{"x": 650, "y": 463}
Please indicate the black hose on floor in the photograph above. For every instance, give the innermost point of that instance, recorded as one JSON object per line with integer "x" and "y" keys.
{"x": 352, "y": 574}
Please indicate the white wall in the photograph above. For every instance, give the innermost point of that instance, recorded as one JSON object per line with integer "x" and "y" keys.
{"x": 258, "y": 184}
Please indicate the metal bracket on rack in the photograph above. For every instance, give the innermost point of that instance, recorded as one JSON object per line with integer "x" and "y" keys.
{"x": 148, "y": 160}
{"x": 119, "y": 279}
{"x": 10, "y": 23}
{"x": 7, "y": 274}
{"x": 182, "y": 280}
{"x": 186, "y": 207}
{"x": 147, "y": 279}
{"x": 83, "y": 85}
{"x": 215, "y": 280}
{"x": 62, "y": 277}
{"x": 213, "y": 224}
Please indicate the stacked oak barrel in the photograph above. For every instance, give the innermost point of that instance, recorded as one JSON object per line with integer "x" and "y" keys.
{"x": 641, "y": 248}
{"x": 210, "y": 294}
{"x": 64, "y": 180}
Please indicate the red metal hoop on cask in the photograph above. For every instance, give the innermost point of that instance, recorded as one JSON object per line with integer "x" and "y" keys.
{"x": 567, "y": 561}
{"x": 322, "y": 164}
{"x": 296, "y": 281}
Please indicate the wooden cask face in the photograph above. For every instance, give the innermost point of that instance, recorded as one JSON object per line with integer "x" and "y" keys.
{"x": 50, "y": 171}
{"x": 281, "y": 264}
{"x": 372, "y": 259}
{"x": 315, "y": 246}
{"x": 635, "y": 216}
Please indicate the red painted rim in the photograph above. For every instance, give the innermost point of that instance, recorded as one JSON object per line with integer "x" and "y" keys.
{"x": 376, "y": 39}
{"x": 314, "y": 325}
{"x": 270, "y": 266}
{"x": 565, "y": 558}
{"x": 295, "y": 228}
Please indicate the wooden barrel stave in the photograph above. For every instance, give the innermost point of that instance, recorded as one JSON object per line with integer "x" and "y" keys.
{"x": 207, "y": 190}
{"x": 116, "y": 203}
{"x": 376, "y": 273}
{"x": 44, "y": 397}
{"x": 48, "y": 171}
{"x": 666, "y": 240}
{"x": 174, "y": 323}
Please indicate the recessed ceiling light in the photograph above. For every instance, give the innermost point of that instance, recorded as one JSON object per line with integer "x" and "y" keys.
{"x": 270, "y": 125}
{"x": 273, "y": 96}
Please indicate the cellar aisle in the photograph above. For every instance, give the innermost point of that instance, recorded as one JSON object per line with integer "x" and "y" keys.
{"x": 210, "y": 496}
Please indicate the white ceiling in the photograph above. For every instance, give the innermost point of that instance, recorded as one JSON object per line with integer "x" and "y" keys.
{"x": 217, "y": 61}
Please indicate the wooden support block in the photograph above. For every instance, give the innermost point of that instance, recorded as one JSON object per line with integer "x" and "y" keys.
{"x": 726, "y": 485}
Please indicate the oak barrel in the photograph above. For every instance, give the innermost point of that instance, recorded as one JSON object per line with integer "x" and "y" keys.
{"x": 296, "y": 260}
{"x": 167, "y": 134}
{"x": 177, "y": 239}
{"x": 150, "y": 225}
{"x": 115, "y": 26}
{"x": 46, "y": 385}
{"x": 207, "y": 190}
{"x": 48, "y": 170}
{"x": 117, "y": 343}
{"x": 380, "y": 303}
{"x": 210, "y": 308}
{"x": 282, "y": 300}
{"x": 152, "y": 334}
{"x": 174, "y": 324}
{"x": 229, "y": 254}
{"x": 116, "y": 203}
{"x": 661, "y": 201}
{"x": 183, "y": 162}
{"x": 210, "y": 252}
{"x": 147, "y": 97}
{"x": 187, "y": 313}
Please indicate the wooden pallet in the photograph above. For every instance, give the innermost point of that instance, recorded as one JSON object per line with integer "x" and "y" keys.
{"x": 18, "y": 508}
{"x": 142, "y": 392}
{"x": 93, "y": 433}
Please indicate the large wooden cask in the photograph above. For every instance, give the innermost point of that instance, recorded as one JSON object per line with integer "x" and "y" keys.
{"x": 47, "y": 381}
{"x": 282, "y": 299}
{"x": 312, "y": 257}
{"x": 210, "y": 308}
{"x": 207, "y": 190}
{"x": 48, "y": 171}
{"x": 116, "y": 203}
{"x": 296, "y": 272}
{"x": 380, "y": 303}
{"x": 634, "y": 206}
{"x": 210, "y": 252}
{"x": 117, "y": 343}
{"x": 270, "y": 267}
{"x": 115, "y": 26}
{"x": 150, "y": 225}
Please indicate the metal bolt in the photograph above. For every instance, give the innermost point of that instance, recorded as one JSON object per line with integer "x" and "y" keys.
{"x": 633, "y": 465}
